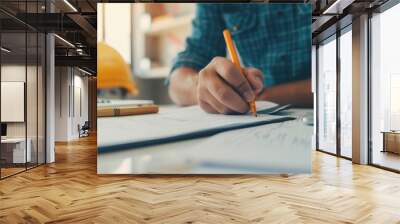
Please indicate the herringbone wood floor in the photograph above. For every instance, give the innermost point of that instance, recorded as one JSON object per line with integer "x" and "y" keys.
{"x": 69, "y": 191}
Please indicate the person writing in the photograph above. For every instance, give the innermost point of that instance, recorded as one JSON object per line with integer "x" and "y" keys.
{"x": 274, "y": 44}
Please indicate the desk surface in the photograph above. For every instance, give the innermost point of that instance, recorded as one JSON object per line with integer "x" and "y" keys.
{"x": 391, "y": 132}
{"x": 13, "y": 140}
{"x": 200, "y": 157}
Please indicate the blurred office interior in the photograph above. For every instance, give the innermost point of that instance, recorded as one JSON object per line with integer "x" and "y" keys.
{"x": 48, "y": 79}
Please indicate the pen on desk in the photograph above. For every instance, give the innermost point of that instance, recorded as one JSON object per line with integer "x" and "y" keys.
{"x": 235, "y": 60}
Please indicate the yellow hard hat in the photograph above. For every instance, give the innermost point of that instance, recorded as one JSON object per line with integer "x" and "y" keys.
{"x": 112, "y": 71}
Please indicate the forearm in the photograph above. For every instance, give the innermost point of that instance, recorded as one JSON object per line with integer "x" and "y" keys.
{"x": 297, "y": 93}
{"x": 183, "y": 86}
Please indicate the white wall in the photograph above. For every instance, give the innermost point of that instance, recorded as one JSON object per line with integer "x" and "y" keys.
{"x": 16, "y": 73}
{"x": 33, "y": 126}
{"x": 79, "y": 117}
{"x": 69, "y": 85}
{"x": 61, "y": 103}
{"x": 117, "y": 36}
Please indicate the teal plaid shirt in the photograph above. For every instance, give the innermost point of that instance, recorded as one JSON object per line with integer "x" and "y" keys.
{"x": 275, "y": 38}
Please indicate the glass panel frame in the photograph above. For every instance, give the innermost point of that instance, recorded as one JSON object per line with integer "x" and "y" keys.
{"x": 32, "y": 98}
{"x": 338, "y": 142}
{"x": 383, "y": 71}
{"x": 14, "y": 72}
{"x": 26, "y": 61}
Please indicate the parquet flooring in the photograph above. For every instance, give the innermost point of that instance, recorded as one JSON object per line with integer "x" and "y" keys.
{"x": 70, "y": 191}
{"x": 10, "y": 171}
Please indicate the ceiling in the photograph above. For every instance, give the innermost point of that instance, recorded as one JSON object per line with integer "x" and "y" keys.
{"x": 74, "y": 22}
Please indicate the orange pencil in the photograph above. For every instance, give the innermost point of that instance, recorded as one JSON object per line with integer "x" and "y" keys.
{"x": 235, "y": 60}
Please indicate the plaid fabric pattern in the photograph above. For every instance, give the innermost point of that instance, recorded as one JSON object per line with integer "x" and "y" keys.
{"x": 275, "y": 38}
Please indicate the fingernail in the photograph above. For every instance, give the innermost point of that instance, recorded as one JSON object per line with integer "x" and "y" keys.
{"x": 249, "y": 95}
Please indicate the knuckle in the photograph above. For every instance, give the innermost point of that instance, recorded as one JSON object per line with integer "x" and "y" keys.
{"x": 202, "y": 73}
{"x": 254, "y": 72}
{"x": 216, "y": 59}
{"x": 207, "y": 71}
{"x": 229, "y": 69}
{"x": 252, "y": 69}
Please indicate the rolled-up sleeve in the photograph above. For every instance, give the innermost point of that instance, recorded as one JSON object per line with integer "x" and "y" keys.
{"x": 206, "y": 40}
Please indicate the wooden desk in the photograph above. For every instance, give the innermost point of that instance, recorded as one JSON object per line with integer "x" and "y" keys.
{"x": 391, "y": 141}
{"x": 13, "y": 150}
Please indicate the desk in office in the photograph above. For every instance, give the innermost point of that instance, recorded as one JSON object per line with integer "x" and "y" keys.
{"x": 17, "y": 154}
{"x": 190, "y": 156}
{"x": 391, "y": 141}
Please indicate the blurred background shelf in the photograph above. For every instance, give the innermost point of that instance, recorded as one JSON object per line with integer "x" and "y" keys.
{"x": 155, "y": 73}
{"x": 167, "y": 24}
{"x": 148, "y": 36}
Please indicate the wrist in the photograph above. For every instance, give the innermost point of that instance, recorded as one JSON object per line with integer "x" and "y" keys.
{"x": 194, "y": 78}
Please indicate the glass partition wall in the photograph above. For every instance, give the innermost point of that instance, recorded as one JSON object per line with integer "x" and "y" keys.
{"x": 334, "y": 87}
{"x": 327, "y": 95}
{"x": 13, "y": 88}
{"x": 385, "y": 89}
{"x": 345, "y": 93}
{"x": 22, "y": 77}
{"x": 334, "y": 127}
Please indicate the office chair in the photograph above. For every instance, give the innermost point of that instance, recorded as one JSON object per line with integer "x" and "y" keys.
{"x": 84, "y": 130}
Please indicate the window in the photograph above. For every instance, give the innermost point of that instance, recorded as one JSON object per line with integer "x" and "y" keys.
{"x": 327, "y": 96}
{"x": 346, "y": 93}
{"x": 385, "y": 89}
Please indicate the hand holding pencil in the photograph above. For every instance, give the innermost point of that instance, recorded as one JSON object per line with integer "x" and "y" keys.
{"x": 225, "y": 87}
{"x": 236, "y": 61}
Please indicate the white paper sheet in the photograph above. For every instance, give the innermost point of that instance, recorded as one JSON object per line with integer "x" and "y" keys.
{"x": 172, "y": 122}
{"x": 256, "y": 150}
